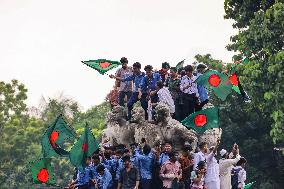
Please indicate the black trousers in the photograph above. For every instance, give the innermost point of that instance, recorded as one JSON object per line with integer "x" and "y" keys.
{"x": 189, "y": 101}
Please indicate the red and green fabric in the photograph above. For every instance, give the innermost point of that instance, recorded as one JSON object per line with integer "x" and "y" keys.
{"x": 249, "y": 185}
{"x": 202, "y": 120}
{"x": 84, "y": 147}
{"x": 42, "y": 172}
{"x": 217, "y": 81}
{"x": 102, "y": 65}
{"x": 55, "y": 136}
{"x": 235, "y": 83}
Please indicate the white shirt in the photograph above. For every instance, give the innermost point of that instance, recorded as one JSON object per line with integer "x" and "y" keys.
{"x": 242, "y": 176}
{"x": 187, "y": 81}
{"x": 166, "y": 97}
{"x": 225, "y": 167}
{"x": 198, "y": 157}
{"x": 212, "y": 173}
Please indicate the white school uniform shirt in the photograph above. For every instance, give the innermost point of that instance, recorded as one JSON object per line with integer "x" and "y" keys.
{"x": 198, "y": 157}
{"x": 225, "y": 168}
{"x": 242, "y": 176}
{"x": 185, "y": 81}
{"x": 166, "y": 97}
{"x": 212, "y": 180}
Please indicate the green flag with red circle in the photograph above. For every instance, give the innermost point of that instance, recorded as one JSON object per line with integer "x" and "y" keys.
{"x": 102, "y": 65}
{"x": 55, "y": 136}
{"x": 42, "y": 172}
{"x": 202, "y": 120}
{"x": 84, "y": 147}
{"x": 218, "y": 82}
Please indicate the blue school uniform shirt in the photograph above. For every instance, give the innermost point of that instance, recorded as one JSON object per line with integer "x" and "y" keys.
{"x": 93, "y": 171}
{"x": 163, "y": 158}
{"x": 146, "y": 164}
{"x": 104, "y": 181}
{"x": 203, "y": 93}
{"x": 119, "y": 165}
{"x": 83, "y": 176}
{"x": 135, "y": 162}
{"x": 137, "y": 80}
{"x": 150, "y": 84}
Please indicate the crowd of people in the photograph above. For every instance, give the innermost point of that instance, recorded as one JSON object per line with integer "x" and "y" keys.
{"x": 160, "y": 167}
{"x": 175, "y": 87}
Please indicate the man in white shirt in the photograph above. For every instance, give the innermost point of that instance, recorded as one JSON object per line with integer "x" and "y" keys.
{"x": 212, "y": 180}
{"x": 200, "y": 156}
{"x": 190, "y": 91}
{"x": 226, "y": 165}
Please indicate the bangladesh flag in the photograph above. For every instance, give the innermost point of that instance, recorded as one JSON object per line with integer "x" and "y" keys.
{"x": 84, "y": 147}
{"x": 42, "y": 172}
{"x": 248, "y": 186}
{"x": 55, "y": 136}
{"x": 219, "y": 83}
{"x": 102, "y": 65}
{"x": 235, "y": 82}
{"x": 202, "y": 120}
{"x": 180, "y": 65}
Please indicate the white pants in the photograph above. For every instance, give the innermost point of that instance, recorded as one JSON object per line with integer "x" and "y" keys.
{"x": 213, "y": 184}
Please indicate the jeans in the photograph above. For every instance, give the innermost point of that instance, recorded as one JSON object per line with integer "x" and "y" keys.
{"x": 144, "y": 102}
{"x": 122, "y": 95}
{"x": 146, "y": 183}
{"x": 133, "y": 99}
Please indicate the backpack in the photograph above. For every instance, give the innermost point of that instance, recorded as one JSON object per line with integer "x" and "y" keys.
{"x": 234, "y": 177}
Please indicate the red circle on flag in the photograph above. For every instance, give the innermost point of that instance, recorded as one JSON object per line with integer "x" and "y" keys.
{"x": 200, "y": 120}
{"x": 214, "y": 80}
{"x": 234, "y": 79}
{"x": 53, "y": 137}
{"x": 84, "y": 147}
{"x": 42, "y": 175}
{"x": 104, "y": 64}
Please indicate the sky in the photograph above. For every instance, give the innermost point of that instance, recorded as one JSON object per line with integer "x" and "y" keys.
{"x": 42, "y": 43}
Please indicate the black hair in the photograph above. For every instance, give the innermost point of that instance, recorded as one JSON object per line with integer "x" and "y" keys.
{"x": 119, "y": 151}
{"x": 146, "y": 149}
{"x": 148, "y": 67}
{"x": 123, "y": 60}
{"x": 201, "y": 66}
{"x": 126, "y": 151}
{"x": 126, "y": 158}
{"x": 136, "y": 65}
{"x": 100, "y": 168}
{"x": 202, "y": 145}
{"x": 107, "y": 154}
{"x": 143, "y": 140}
{"x": 171, "y": 154}
{"x": 201, "y": 164}
{"x": 166, "y": 65}
{"x": 168, "y": 142}
{"x": 188, "y": 68}
{"x": 96, "y": 157}
{"x": 241, "y": 161}
{"x": 160, "y": 84}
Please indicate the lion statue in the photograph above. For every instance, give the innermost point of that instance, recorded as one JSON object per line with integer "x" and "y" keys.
{"x": 117, "y": 130}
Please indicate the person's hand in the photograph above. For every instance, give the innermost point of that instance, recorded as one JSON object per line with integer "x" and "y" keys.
{"x": 218, "y": 141}
{"x": 111, "y": 76}
{"x": 152, "y": 93}
{"x": 139, "y": 95}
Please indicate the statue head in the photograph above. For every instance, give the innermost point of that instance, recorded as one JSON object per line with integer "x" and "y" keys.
{"x": 117, "y": 114}
{"x": 138, "y": 115}
{"x": 162, "y": 112}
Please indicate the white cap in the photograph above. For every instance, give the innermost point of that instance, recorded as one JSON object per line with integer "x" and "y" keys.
{"x": 223, "y": 152}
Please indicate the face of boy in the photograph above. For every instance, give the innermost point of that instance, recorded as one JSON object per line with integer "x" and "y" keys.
{"x": 168, "y": 148}
{"x": 127, "y": 163}
{"x": 102, "y": 172}
{"x": 149, "y": 72}
{"x": 136, "y": 70}
{"x": 124, "y": 65}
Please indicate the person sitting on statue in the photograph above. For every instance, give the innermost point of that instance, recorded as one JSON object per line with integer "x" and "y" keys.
{"x": 148, "y": 87}
{"x": 125, "y": 87}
